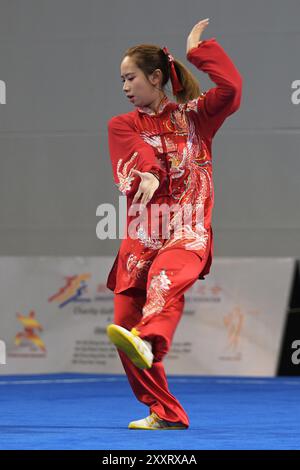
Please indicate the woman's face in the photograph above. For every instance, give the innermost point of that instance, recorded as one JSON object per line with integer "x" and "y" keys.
{"x": 137, "y": 86}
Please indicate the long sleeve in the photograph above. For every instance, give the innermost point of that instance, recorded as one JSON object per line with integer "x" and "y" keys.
{"x": 221, "y": 101}
{"x": 128, "y": 151}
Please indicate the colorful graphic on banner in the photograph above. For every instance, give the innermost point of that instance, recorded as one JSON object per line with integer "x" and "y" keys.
{"x": 29, "y": 334}
{"x": 72, "y": 291}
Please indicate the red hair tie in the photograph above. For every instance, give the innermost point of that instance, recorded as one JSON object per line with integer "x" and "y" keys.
{"x": 176, "y": 85}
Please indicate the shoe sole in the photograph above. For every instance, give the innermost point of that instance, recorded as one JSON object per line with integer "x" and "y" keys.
{"x": 145, "y": 428}
{"x": 125, "y": 343}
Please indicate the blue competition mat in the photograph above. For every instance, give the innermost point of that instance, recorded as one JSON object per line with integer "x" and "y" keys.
{"x": 80, "y": 411}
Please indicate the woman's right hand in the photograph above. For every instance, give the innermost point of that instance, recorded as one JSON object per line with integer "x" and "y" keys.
{"x": 148, "y": 185}
{"x": 195, "y": 34}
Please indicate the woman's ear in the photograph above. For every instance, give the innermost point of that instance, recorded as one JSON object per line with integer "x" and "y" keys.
{"x": 155, "y": 77}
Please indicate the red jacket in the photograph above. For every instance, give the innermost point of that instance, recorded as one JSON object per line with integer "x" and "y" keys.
{"x": 175, "y": 143}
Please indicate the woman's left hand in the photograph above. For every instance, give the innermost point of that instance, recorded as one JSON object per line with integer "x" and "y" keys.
{"x": 194, "y": 36}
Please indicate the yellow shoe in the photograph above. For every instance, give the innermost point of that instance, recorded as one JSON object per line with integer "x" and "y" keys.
{"x": 138, "y": 351}
{"x": 154, "y": 423}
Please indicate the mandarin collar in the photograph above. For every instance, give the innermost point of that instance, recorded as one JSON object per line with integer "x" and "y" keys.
{"x": 164, "y": 103}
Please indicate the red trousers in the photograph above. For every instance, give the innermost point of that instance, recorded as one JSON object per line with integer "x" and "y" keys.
{"x": 155, "y": 314}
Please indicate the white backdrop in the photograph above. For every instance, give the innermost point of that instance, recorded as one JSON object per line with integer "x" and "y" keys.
{"x": 54, "y": 312}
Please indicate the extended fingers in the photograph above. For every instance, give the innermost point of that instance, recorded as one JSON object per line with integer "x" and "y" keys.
{"x": 146, "y": 198}
{"x": 202, "y": 24}
{"x": 136, "y": 196}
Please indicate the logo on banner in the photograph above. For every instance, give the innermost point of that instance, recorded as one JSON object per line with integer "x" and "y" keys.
{"x": 234, "y": 322}
{"x": 72, "y": 291}
{"x": 28, "y": 341}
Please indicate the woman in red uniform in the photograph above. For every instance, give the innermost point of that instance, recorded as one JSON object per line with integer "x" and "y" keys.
{"x": 161, "y": 152}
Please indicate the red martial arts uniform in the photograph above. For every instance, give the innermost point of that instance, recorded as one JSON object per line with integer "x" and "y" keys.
{"x": 151, "y": 273}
